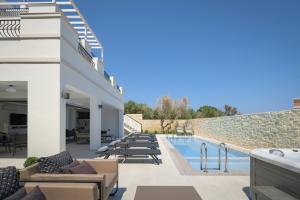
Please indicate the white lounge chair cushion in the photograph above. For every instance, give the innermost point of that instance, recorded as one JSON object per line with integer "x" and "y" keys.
{"x": 102, "y": 149}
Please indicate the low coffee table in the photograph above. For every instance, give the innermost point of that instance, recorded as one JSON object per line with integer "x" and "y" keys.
{"x": 166, "y": 193}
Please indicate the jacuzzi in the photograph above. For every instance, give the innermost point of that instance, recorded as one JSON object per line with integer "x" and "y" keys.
{"x": 275, "y": 172}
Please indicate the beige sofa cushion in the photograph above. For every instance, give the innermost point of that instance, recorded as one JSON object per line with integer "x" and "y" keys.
{"x": 67, "y": 191}
{"x": 68, "y": 177}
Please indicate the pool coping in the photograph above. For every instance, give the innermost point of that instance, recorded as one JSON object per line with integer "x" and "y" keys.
{"x": 231, "y": 146}
{"x": 185, "y": 169}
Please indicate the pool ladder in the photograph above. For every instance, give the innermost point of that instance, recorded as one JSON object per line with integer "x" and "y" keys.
{"x": 226, "y": 156}
{"x": 203, "y": 145}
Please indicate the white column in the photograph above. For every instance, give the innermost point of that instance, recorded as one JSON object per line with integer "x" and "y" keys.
{"x": 62, "y": 134}
{"x": 46, "y": 118}
{"x": 95, "y": 124}
{"x": 73, "y": 118}
{"x": 121, "y": 123}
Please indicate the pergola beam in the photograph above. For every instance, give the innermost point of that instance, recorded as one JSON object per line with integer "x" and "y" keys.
{"x": 88, "y": 36}
{"x": 79, "y": 27}
{"x": 67, "y": 10}
{"x": 76, "y": 22}
{"x": 63, "y": 2}
{"x": 73, "y": 17}
{"x": 83, "y": 32}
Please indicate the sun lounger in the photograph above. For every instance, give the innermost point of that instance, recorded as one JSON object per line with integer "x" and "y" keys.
{"x": 141, "y": 139}
{"x": 142, "y": 135}
{"x": 128, "y": 144}
{"x": 106, "y": 152}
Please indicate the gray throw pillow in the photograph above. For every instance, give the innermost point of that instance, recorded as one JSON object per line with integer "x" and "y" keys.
{"x": 17, "y": 195}
{"x": 9, "y": 181}
{"x": 35, "y": 194}
{"x": 66, "y": 169}
{"x": 83, "y": 168}
{"x": 52, "y": 164}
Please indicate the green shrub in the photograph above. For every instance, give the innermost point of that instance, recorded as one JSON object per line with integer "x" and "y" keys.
{"x": 155, "y": 132}
{"x": 146, "y": 131}
{"x": 30, "y": 161}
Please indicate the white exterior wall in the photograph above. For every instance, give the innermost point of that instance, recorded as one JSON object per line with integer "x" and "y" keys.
{"x": 80, "y": 76}
{"x": 79, "y": 72}
{"x": 39, "y": 41}
{"x": 46, "y": 57}
{"x": 43, "y": 104}
{"x": 35, "y": 59}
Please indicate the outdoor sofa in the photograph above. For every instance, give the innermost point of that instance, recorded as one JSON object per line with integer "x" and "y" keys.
{"x": 58, "y": 186}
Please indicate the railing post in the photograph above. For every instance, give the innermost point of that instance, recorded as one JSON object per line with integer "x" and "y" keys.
{"x": 203, "y": 145}
{"x": 226, "y": 160}
{"x": 226, "y": 156}
{"x": 102, "y": 54}
{"x": 219, "y": 157}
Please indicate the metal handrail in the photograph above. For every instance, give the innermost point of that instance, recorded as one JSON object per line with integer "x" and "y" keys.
{"x": 137, "y": 126}
{"x": 85, "y": 54}
{"x": 134, "y": 120}
{"x": 107, "y": 76}
{"x": 203, "y": 145}
{"x": 226, "y": 156}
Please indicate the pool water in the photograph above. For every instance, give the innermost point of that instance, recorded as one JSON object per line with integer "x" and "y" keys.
{"x": 189, "y": 148}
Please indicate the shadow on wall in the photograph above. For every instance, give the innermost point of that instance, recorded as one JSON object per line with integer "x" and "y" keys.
{"x": 246, "y": 190}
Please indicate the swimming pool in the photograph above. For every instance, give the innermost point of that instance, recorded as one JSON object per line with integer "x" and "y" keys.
{"x": 189, "y": 148}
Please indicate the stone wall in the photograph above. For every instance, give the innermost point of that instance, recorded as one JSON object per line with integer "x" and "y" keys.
{"x": 153, "y": 125}
{"x": 271, "y": 129}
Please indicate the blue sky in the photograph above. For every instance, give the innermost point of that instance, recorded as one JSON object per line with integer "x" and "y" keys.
{"x": 238, "y": 52}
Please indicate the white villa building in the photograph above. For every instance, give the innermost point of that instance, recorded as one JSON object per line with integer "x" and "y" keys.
{"x": 50, "y": 79}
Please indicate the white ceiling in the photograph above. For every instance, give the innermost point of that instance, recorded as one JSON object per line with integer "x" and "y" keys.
{"x": 19, "y": 85}
{"x": 78, "y": 99}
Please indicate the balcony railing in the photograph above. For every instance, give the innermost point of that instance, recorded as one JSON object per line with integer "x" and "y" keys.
{"x": 86, "y": 55}
{"x": 119, "y": 88}
{"x": 106, "y": 76}
{"x": 10, "y": 26}
{"x": 12, "y": 12}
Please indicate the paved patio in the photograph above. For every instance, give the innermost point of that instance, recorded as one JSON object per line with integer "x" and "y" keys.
{"x": 209, "y": 187}
{"x": 133, "y": 174}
